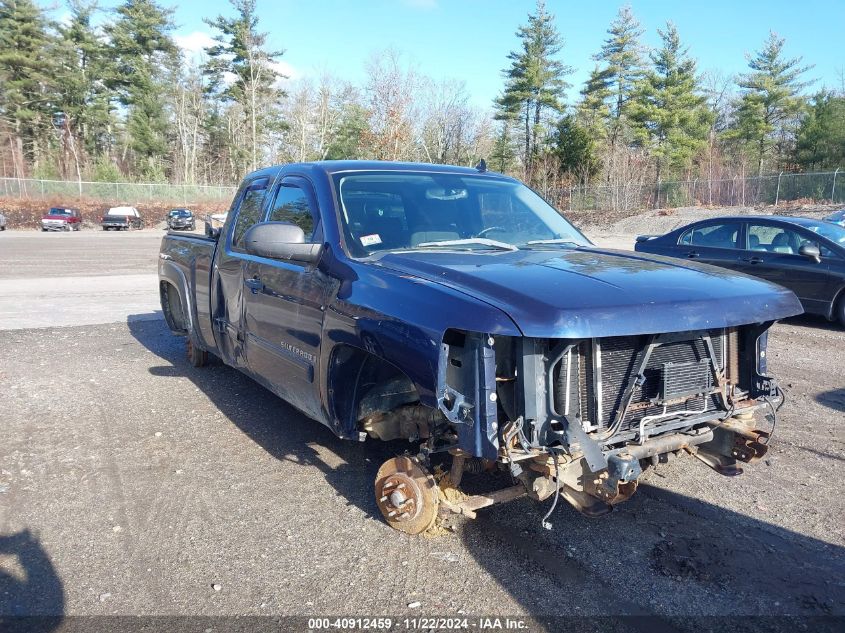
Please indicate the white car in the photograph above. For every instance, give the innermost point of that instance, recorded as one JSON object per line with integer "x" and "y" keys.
{"x": 2, "y": 222}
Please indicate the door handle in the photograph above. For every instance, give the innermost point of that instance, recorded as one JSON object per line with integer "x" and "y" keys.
{"x": 755, "y": 260}
{"x": 692, "y": 254}
{"x": 255, "y": 284}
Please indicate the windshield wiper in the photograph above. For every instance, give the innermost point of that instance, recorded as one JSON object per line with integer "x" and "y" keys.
{"x": 471, "y": 241}
{"x": 554, "y": 241}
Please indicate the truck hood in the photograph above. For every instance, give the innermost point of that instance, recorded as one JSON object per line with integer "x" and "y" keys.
{"x": 593, "y": 292}
{"x": 56, "y": 217}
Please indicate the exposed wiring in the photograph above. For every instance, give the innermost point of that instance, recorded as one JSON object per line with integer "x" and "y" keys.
{"x": 782, "y": 395}
{"x": 545, "y": 523}
{"x": 774, "y": 419}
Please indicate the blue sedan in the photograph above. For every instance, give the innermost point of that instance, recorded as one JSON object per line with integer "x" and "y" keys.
{"x": 807, "y": 256}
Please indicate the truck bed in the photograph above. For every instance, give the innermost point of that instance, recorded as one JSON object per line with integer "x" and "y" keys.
{"x": 186, "y": 261}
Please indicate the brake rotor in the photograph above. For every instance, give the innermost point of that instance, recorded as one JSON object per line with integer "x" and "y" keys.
{"x": 406, "y": 494}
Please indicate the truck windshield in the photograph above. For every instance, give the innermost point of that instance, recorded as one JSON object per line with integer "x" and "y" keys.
{"x": 55, "y": 211}
{"x": 410, "y": 211}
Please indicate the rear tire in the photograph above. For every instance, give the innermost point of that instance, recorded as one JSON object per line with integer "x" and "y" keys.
{"x": 839, "y": 309}
{"x": 196, "y": 356}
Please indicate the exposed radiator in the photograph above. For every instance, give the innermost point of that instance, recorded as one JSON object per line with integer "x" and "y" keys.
{"x": 678, "y": 371}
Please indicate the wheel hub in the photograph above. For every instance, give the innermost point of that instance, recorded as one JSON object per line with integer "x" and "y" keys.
{"x": 400, "y": 498}
{"x": 406, "y": 495}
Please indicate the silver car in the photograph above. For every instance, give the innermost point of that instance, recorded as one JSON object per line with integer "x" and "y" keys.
{"x": 2, "y": 222}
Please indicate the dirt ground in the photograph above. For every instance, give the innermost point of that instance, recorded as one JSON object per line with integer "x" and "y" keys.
{"x": 134, "y": 484}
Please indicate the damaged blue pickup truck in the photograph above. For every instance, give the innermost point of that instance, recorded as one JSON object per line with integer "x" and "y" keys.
{"x": 455, "y": 309}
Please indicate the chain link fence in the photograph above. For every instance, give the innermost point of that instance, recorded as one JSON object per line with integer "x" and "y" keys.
{"x": 773, "y": 189}
{"x": 130, "y": 193}
{"x": 730, "y": 192}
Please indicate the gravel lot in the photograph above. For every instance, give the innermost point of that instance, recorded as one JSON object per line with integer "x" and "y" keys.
{"x": 131, "y": 483}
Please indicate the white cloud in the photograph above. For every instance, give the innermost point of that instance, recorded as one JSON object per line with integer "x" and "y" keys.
{"x": 194, "y": 43}
{"x": 285, "y": 69}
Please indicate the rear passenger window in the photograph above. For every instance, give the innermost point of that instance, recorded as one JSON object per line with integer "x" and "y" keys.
{"x": 292, "y": 207}
{"x": 249, "y": 210}
{"x": 712, "y": 235}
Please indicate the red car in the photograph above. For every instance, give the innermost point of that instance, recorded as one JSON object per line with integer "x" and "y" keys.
{"x": 61, "y": 219}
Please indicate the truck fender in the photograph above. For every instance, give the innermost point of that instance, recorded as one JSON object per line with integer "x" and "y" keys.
{"x": 350, "y": 368}
{"x": 172, "y": 279}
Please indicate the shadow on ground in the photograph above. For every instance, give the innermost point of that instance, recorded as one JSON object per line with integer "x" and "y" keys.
{"x": 257, "y": 412}
{"x": 813, "y": 321}
{"x": 31, "y": 593}
{"x": 672, "y": 549}
{"x": 833, "y": 399}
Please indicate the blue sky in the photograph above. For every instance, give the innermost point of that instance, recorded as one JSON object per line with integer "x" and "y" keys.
{"x": 470, "y": 39}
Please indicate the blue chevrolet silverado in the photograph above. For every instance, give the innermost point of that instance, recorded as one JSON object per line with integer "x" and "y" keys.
{"x": 453, "y": 308}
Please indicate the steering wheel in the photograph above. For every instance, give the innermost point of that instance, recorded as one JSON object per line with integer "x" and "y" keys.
{"x": 483, "y": 232}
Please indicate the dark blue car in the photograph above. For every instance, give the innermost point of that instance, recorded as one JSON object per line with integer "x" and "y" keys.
{"x": 455, "y": 310}
{"x": 837, "y": 217}
{"x": 807, "y": 256}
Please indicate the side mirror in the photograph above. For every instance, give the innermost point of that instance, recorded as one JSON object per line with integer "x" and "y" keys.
{"x": 211, "y": 231}
{"x": 810, "y": 251}
{"x": 280, "y": 240}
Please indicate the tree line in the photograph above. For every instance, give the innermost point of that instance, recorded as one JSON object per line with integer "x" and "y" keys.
{"x": 110, "y": 96}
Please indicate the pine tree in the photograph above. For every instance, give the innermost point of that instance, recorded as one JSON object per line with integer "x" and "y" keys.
{"x": 577, "y": 149}
{"x": 669, "y": 115}
{"x": 593, "y": 110}
{"x": 25, "y": 76}
{"x": 83, "y": 101}
{"x": 143, "y": 56}
{"x": 241, "y": 51}
{"x": 535, "y": 80}
{"x": 821, "y": 135}
{"x": 351, "y": 128}
{"x": 503, "y": 155}
{"x": 622, "y": 56}
{"x": 771, "y": 98}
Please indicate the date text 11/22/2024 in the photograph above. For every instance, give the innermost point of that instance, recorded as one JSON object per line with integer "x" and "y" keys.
{"x": 418, "y": 624}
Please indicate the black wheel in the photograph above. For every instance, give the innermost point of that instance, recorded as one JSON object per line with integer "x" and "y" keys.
{"x": 196, "y": 356}
{"x": 839, "y": 310}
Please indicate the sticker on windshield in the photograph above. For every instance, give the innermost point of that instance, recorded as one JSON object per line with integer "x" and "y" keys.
{"x": 370, "y": 240}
